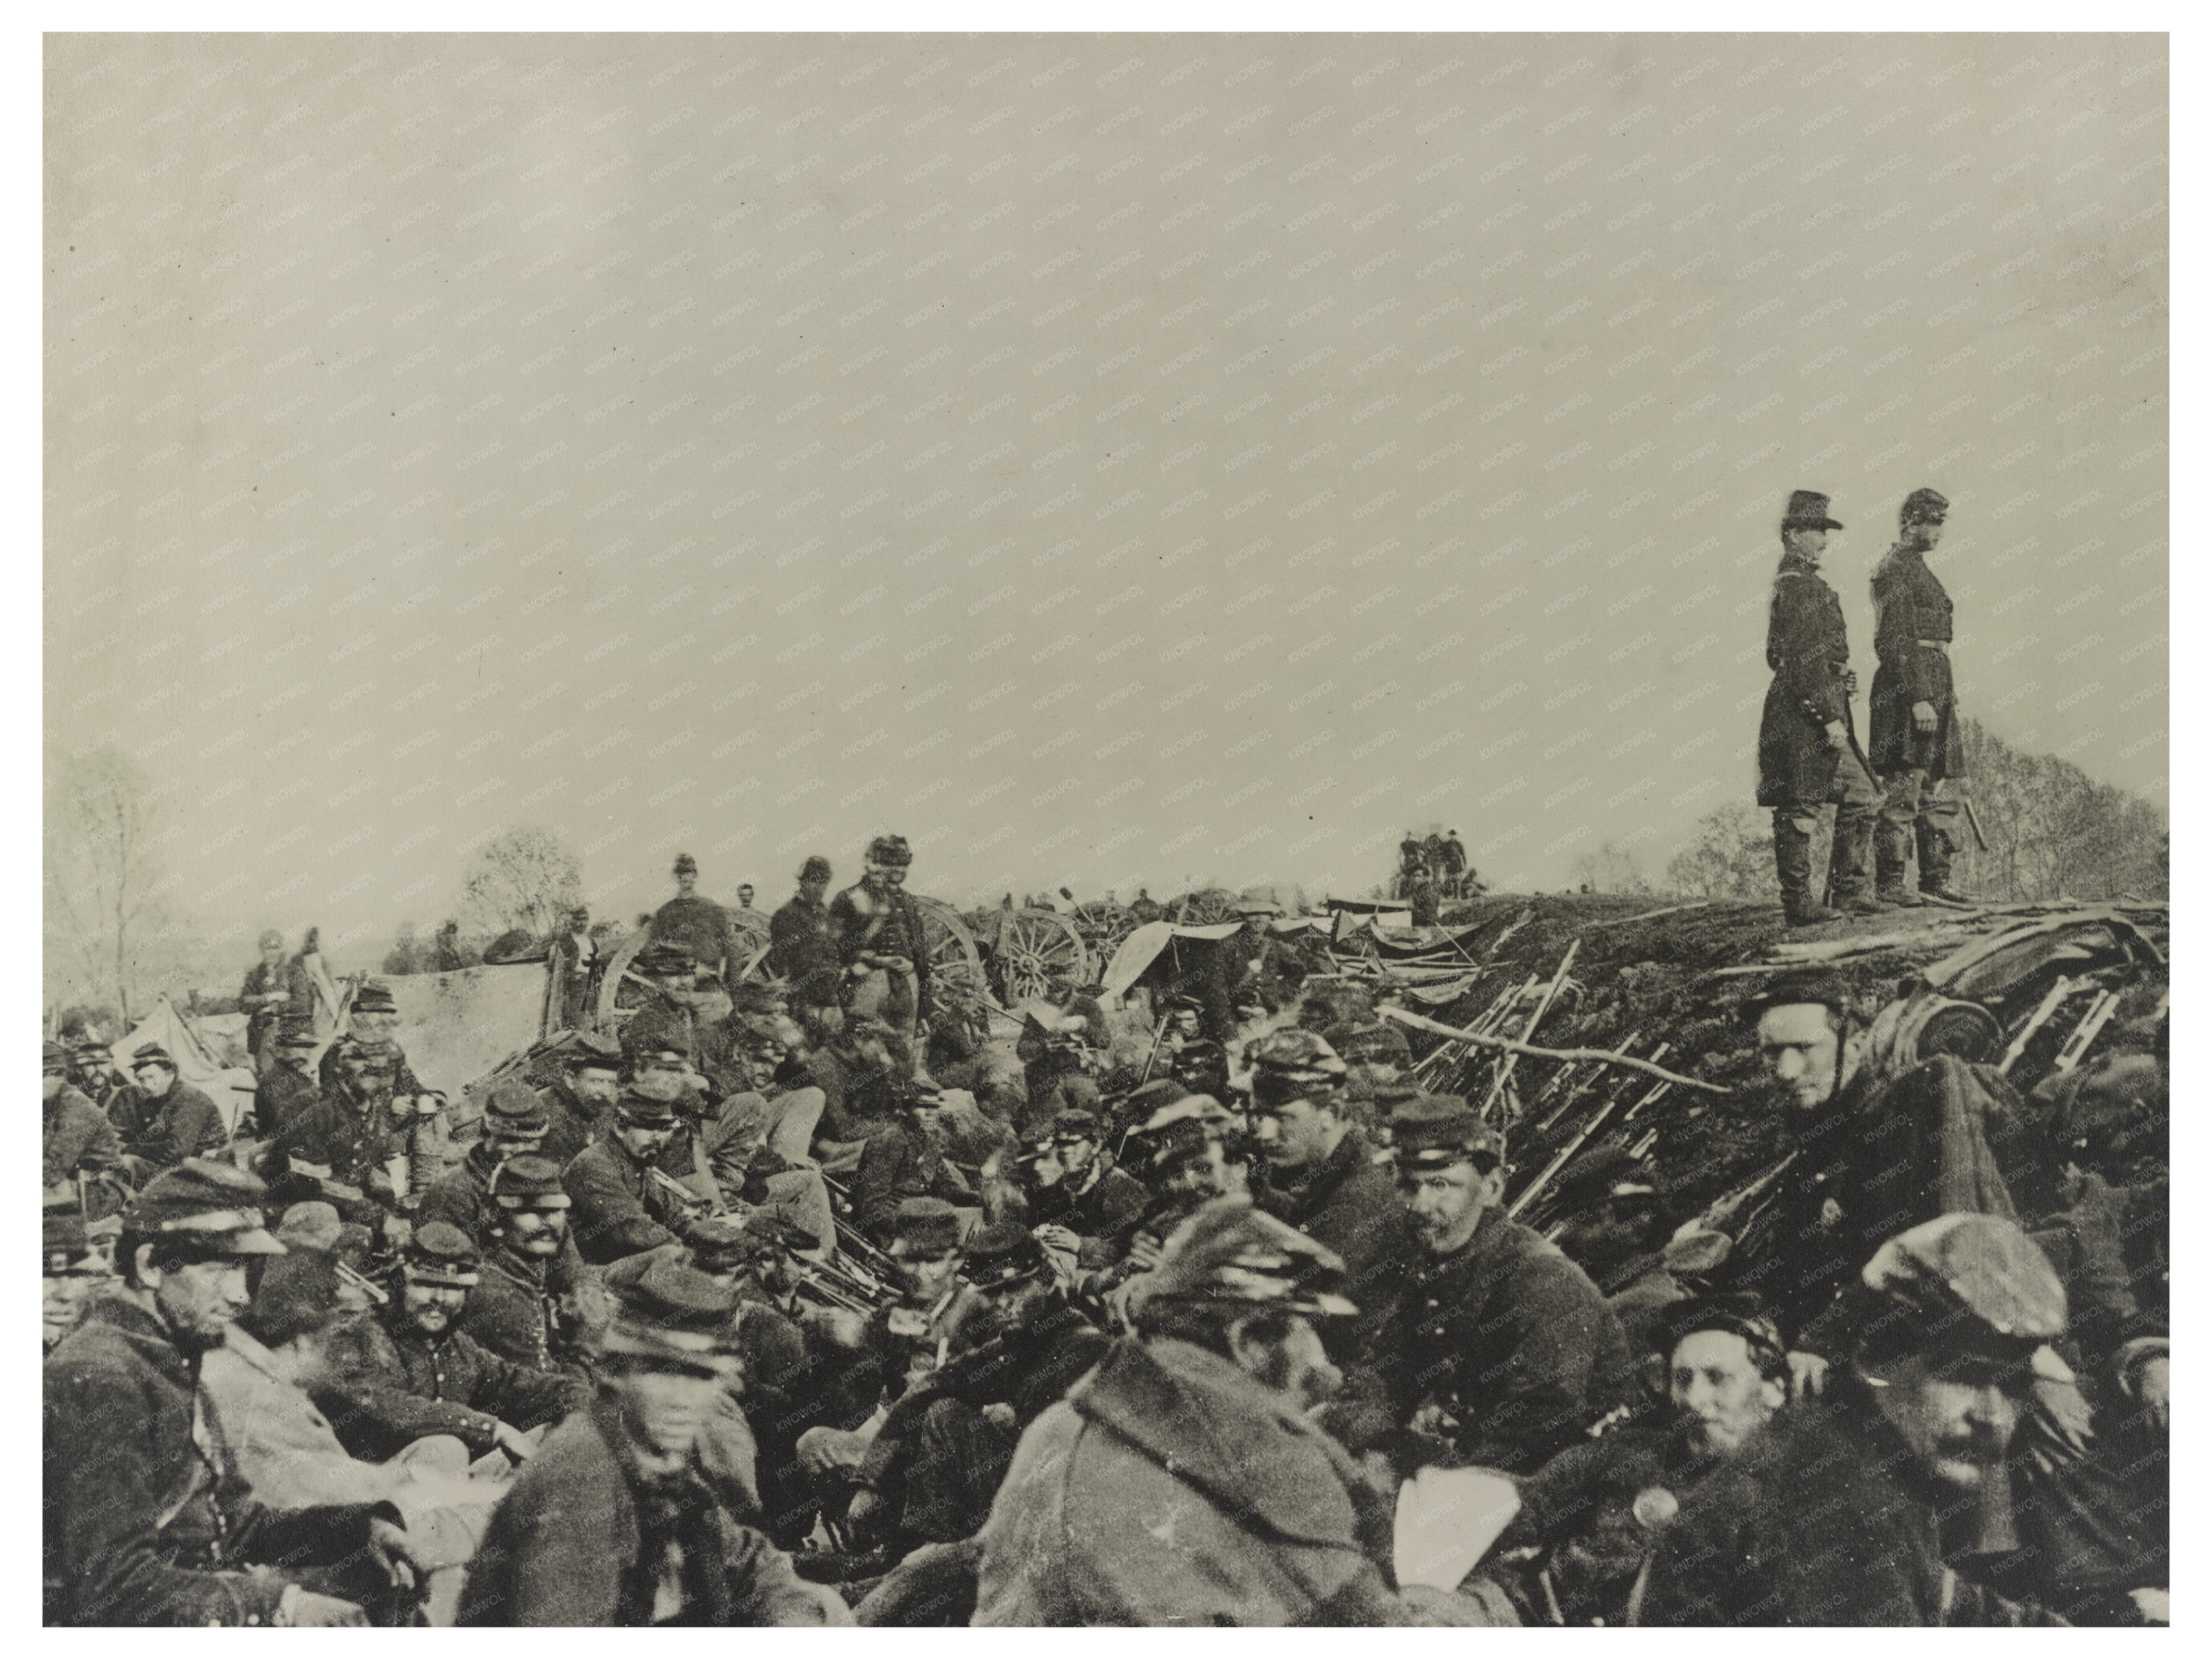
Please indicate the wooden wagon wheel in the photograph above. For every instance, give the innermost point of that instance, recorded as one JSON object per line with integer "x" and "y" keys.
{"x": 620, "y": 996}
{"x": 757, "y": 970}
{"x": 1039, "y": 953}
{"x": 956, "y": 964}
{"x": 1202, "y": 909}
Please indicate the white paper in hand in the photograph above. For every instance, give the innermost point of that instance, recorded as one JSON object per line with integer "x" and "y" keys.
{"x": 1447, "y": 1521}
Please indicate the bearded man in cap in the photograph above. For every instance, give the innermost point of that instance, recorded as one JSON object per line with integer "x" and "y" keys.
{"x": 1833, "y": 1515}
{"x": 138, "y": 1530}
{"x": 1809, "y": 751}
{"x": 1595, "y": 1513}
{"x": 410, "y": 1372}
{"x": 164, "y": 1120}
{"x": 78, "y": 1147}
{"x": 613, "y": 1525}
{"x": 1183, "y": 1482}
{"x": 1914, "y": 710}
{"x": 520, "y": 1307}
{"x": 1321, "y": 1177}
{"x": 579, "y": 1103}
{"x": 1501, "y": 1351}
{"x": 877, "y": 930}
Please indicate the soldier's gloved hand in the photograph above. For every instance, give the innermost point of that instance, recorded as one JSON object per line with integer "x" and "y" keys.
{"x": 1808, "y": 1375}
{"x": 1837, "y": 737}
{"x": 1923, "y": 718}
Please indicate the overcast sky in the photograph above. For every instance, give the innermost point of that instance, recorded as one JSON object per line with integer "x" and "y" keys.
{"x": 1105, "y": 460}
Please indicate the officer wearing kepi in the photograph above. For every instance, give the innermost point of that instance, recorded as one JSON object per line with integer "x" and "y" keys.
{"x": 1809, "y": 751}
{"x": 1914, "y": 709}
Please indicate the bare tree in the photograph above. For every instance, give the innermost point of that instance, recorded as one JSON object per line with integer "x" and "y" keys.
{"x": 525, "y": 879}
{"x": 104, "y": 892}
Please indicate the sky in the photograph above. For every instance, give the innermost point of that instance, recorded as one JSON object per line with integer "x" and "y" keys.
{"x": 1106, "y": 460}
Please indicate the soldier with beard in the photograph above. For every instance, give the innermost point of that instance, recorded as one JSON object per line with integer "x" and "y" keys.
{"x": 411, "y": 1372}
{"x": 517, "y": 1306}
{"x": 579, "y": 1103}
{"x": 1834, "y": 1513}
{"x": 78, "y": 1144}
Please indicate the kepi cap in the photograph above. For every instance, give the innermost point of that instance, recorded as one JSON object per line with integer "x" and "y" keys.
{"x": 210, "y": 1206}
{"x": 1962, "y": 1281}
{"x": 1433, "y": 1131}
{"x": 1226, "y": 1251}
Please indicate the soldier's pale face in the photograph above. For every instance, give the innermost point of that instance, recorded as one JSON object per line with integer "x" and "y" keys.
{"x": 432, "y": 1307}
{"x": 537, "y": 1233}
{"x": 929, "y": 1274}
{"x": 644, "y": 1139}
{"x": 1073, "y": 1156}
{"x": 271, "y": 955}
{"x": 1447, "y": 1204}
{"x": 1807, "y": 544}
{"x": 1955, "y": 1418}
{"x": 597, "y": 1087}
{"x": 1925, "y": 535}
{"x": 1716, "y": 1381}
{"x": 63, "y": 1300}
{"x": 1295, "y": 1133}
{"x": 1798, "y": 1045}
{"x": 154, "y": 1079}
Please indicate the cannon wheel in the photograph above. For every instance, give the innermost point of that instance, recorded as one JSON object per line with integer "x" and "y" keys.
{"x": 956, "y": 964}
{"x": 1204, "y": 909}
{"x": 1039, "y": 952}
{"x": 618, "y": 994}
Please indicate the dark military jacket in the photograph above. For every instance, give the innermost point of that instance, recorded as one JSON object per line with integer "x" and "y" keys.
{"x": 1910, "y": 605}
{"x": 75, "y": 1135}
{"x": 281, "y": 1094}
{"x": 1821, "y": 1518}
{"x": 616, "y": 1210}
{"x": 394, "y": 1385}
{"x": 1512, "y": 1339}
{"x": 899, "y": 1163}
{"x": 1350, "y": 1204}
{"x": 514, "y": 1312}
{"x": 1807, "y": 652}
{"x": 803, "y": 951}
{"x": 139, "y": 1529}
{"x": 1102, "y": 1216}
{"x": 889, "y": 925}
{"x": 183, "y": 1123}
{"x": 573, "y": 1124}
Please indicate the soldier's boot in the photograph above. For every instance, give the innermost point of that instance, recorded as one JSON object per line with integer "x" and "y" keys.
{"x": 1892, "y": 847}
{"x": 1848, "y": 858}
{"x": 1936, "y": 851}
{"x": 1793, "y": 869}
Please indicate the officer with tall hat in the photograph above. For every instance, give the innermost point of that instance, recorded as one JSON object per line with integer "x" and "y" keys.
{"x": 1914, "y": 710}
{"x": 1808, "y": 749}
